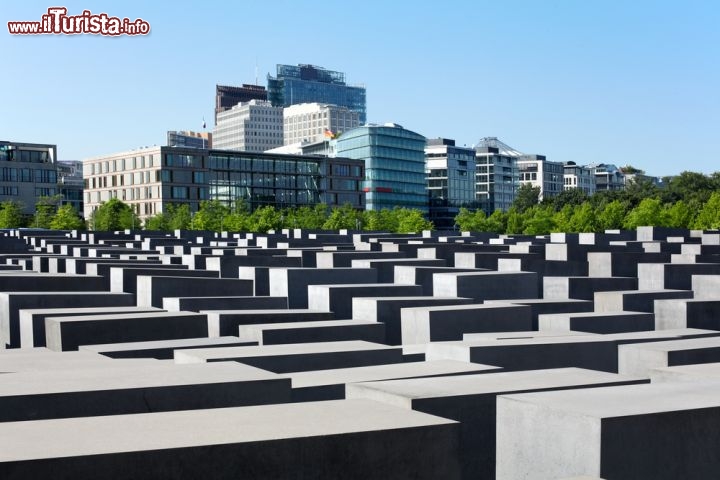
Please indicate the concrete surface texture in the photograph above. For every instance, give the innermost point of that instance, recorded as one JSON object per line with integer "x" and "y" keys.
{"x": 323, "y": 354}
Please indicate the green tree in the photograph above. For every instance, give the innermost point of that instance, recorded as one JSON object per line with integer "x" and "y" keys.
{"x": 678, "y": 215}
{"x": 413, "y": 221}
{"x": 572, "y": 197}
{"x": 179, "y": 217}
{"x": 45, "y": 208}
{"x": 539, "y": 220}
{"x": 157, "y": 222}
{"x": 496, "y": 223}
{"x": 514, "y": 222}
{"x": 306, "y": 217}
{"x": 11, "y": 215}
{"x": 265, "y": 218}
{"x": 211, "y": 216}
{"x": 612, "y": 215}
{"x": 527, "y": 197}
{"x": 709, "y": 215}
{"x": 67, "y": 218}
{"x": 345, "y": 217}
{"x": 114, "y": 215}
{"x": 563, "y": 217}
{"x": 583, "y": 219}
{"x": 647, "y": 213}
{"x": 689, "y": 187}
{"x": 468, "y": 221}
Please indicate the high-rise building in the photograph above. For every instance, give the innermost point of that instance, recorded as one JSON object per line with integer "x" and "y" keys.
{"x": 496, "y": 176}
{"x": 227, "y": 96}
{"x": 450, "y": 174}
{"x": 314, "y": 122}
{"x": 394, "y": 164}
{"x": 293, "y": 85}
{"x": 189, "y": 139}
{"x": 150, "y": 179}
{"x": 27, "y": 171}
{"x": 253, "y": 126}
{"x": 537, "y": 171}
{"x": 582, "y": 178}
{"x": 70, "y": 183}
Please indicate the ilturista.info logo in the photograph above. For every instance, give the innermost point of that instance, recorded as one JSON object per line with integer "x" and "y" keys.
{"x": 57, "y": 22}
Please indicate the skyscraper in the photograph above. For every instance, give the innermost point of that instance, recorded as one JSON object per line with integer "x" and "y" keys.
{"x": 394, "y": 165}
{"x": 253, "y": 126}
{"x": 315, "y": 122}
{"x": 309, "y": 83}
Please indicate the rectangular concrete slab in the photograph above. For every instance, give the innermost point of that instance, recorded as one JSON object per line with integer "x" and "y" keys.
{"x": 313, "y": 331}
{"x": 659, "y": 431}
{"x": 353, "y": 439}
{"x": 161, "y": 349}
{"x": 470, "y": 399}
{"x": 118, "y": 389}
{"x": 299, "y": 357}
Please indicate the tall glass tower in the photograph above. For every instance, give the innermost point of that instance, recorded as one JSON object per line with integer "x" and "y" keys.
{"x": 308, "y": 84}
{"x": 394, "y": 165}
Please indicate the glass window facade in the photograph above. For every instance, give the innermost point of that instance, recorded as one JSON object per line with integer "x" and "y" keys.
{"x": 296, "y": 84}
{"x": 394, "y": 165}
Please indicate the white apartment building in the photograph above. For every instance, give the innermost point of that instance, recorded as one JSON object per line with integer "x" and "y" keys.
{"x": 308, "y": 122}
{"x": 538, "y": 172}
{"x": 253, "y": 126}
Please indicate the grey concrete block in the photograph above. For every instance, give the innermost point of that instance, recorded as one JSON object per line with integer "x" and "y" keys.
{"x": 124, "y": 278}
{"x": 540, "y": 306}
{"x": 344, "y": 259}
{"x": 351, "y": 439}
{"x": 292, "y": 283}
{"x": 598, "y": 322}
{"x": 68, "y": 333}
{"x": 471, "y": 400}
{"x": 641, "y": 359}
{"x": 12, "y": 303}
{"x": 701, "y": 372}
{"x": 678, "y": 276}
{"x": 584, "y": 288}
{"x": 313, "y": 331}
{"x": 118, "y": 389}
{"x": 386, "y": 267}
{"x": 300, "y": 357}
{"x": 621, "y": 264}
{"x": 161, "y": 349}
{"x": 226, "y": 322}
{"x": 706, "y": 286}
{"x": 597, "y": 352}
{"x": 32, "y": 321}
{"x": 658, "y": 431}
{"x": 486, "y": 285}
{"x": 152, "y": 290}
{"x": 321, "y": 385}
{"x": 388, "y": 310}
{"x": 339, "y": 298}
{"x": 635, "y": 300}
{"x": 690, "y": 313}
{"x": 196, "y": 304}
{"x": 423, "y": 276}
{"x": 444, "y": 323}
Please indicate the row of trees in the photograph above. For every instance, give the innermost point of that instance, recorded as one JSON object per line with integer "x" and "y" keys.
{"x": 690, "y": 200}
{"x": 48, "y": 214}
{"x": 216, "y": 216}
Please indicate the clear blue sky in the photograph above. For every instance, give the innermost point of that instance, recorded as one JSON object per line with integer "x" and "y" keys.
{"x": 590, "y": 81}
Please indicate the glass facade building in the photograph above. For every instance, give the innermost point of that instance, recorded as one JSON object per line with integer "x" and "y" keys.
{"x": 450, "y": 180}
{"x": 394, "y": 165}
{"x": 150, "y": 179}
{"x": 536, "y": 171}
{"x": 295, "y": 84}
{"x": 496, "y": 179}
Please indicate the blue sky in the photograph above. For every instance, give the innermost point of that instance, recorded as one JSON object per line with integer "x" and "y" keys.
{"x": 589, "y": 81}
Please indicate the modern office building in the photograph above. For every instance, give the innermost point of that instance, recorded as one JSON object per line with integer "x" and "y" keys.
{"x": 27, "y": 171}
{"x": 394, "y": 164}
{"x": 315, "y": 122}
{"x": 608, "y": 177}
{"x": 496, "y": 175}
{"x": 580, "y": 177}
{"x": 537, "y": 171}
{"x": 295, "y": 84}
{"x": 253, "y": 126}
{"x": 450, "y": 176}
{"x": 70, "y": 183}
{"x": 189, "y": 139}
{"x": 150, "y": 179}
{"x": 227, "y": 96}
